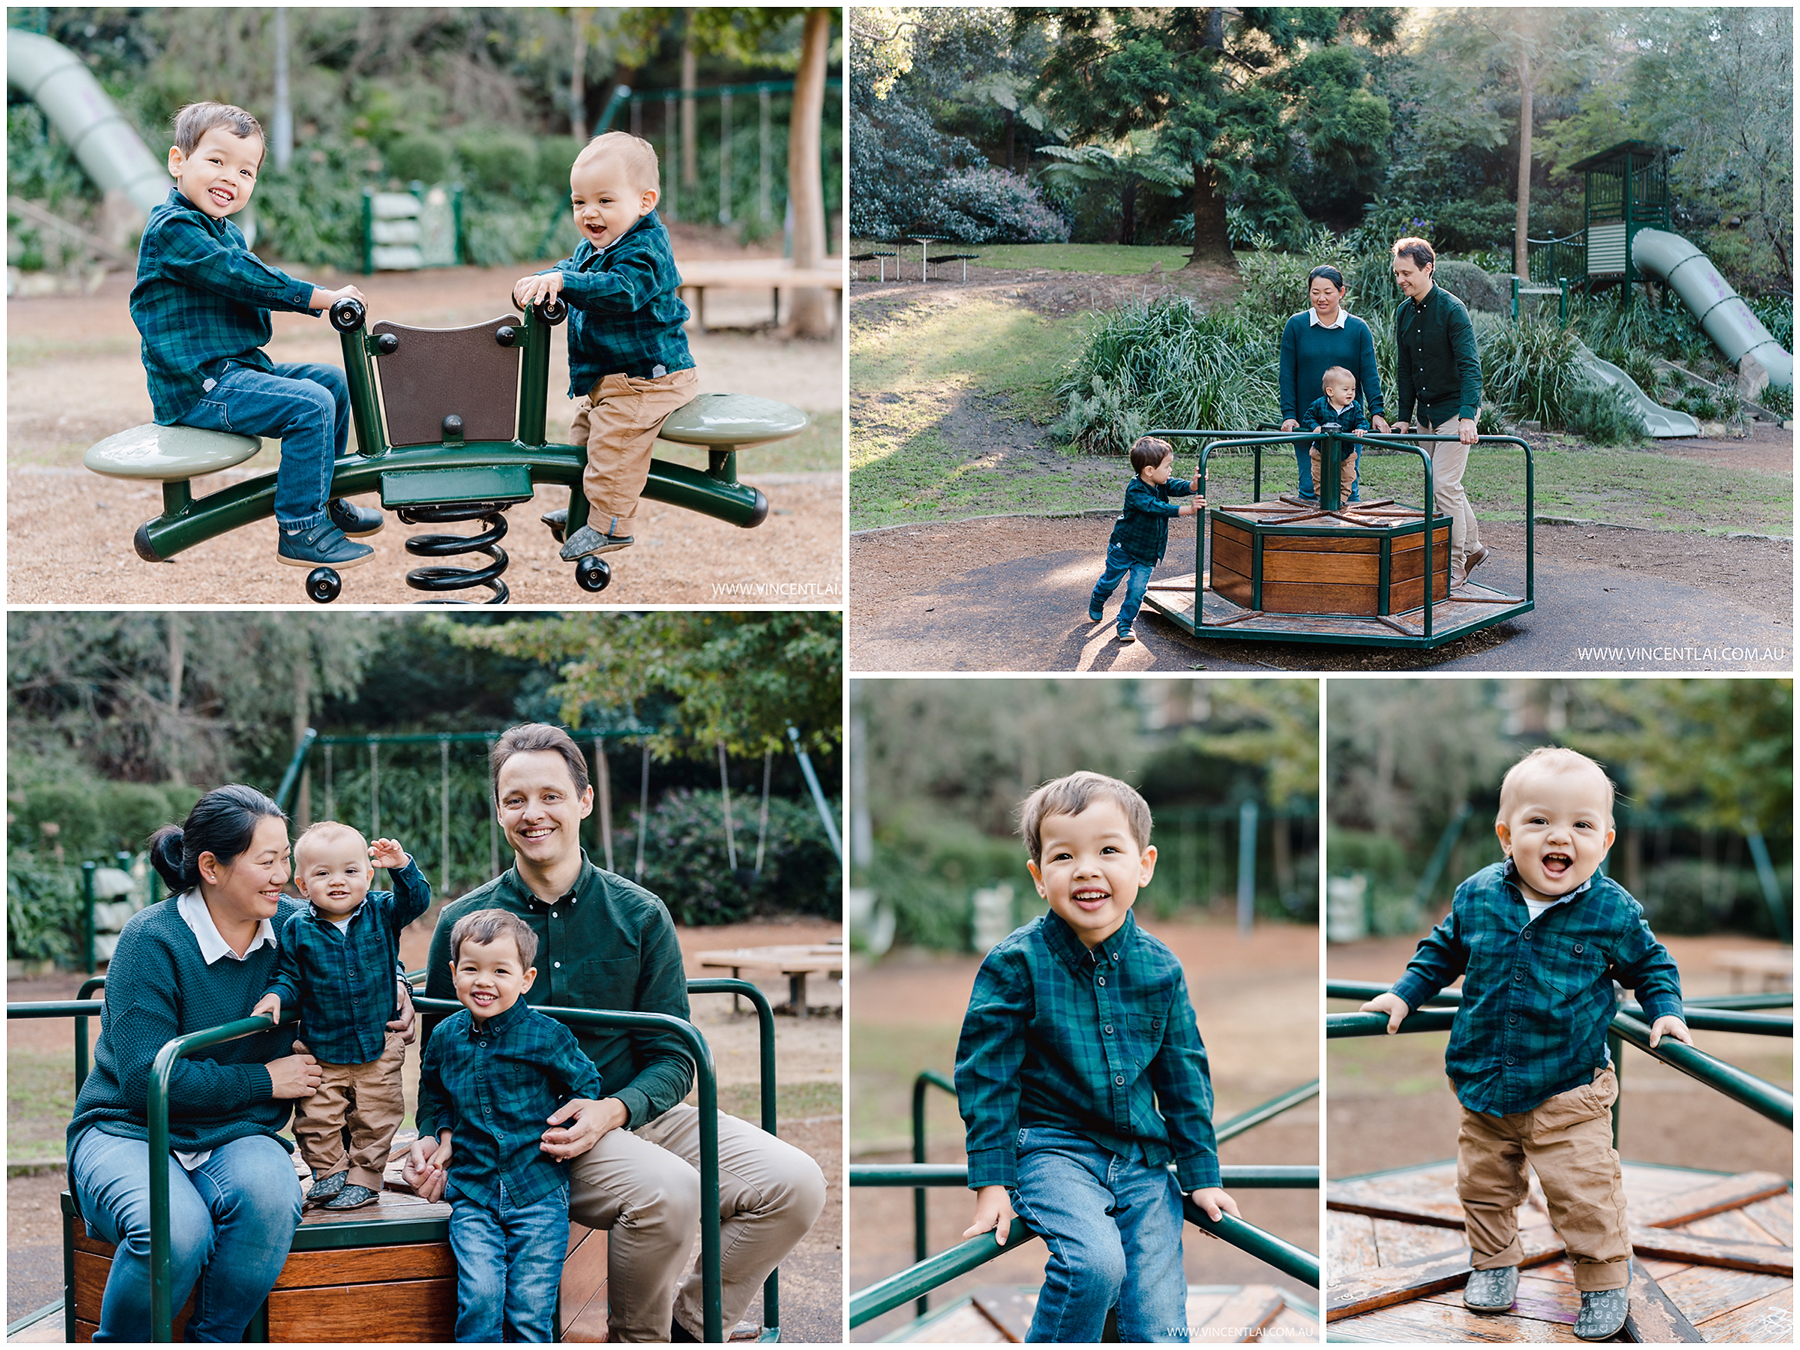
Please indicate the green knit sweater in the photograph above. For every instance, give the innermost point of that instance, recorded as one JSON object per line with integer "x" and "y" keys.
{"x": 157, "y": 988}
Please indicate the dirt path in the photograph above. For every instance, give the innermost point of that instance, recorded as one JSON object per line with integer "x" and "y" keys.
{"x": 1057, "y": 294}
{"x": 74, "y": 377}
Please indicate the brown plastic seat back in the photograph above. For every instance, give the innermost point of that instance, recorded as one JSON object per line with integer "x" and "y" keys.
{"x": 437, "y": 373}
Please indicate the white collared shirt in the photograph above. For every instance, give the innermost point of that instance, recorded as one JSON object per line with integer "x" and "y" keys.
{"x": 1313, "y": 317}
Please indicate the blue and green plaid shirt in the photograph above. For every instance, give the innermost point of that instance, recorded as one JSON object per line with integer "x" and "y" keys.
{"x": 625, "y": 311}
{"x": 1537, "y": 993}
{"x": 345, "y": 984}
{"x": 1101, "y": 1042}
{"x": 495, "y": 1085}
{"x": 201, "y": 301}
{"x": 1142, "y": 528}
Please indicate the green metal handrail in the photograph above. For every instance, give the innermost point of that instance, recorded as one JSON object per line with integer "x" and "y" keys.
{"x": 1775, "y": 998}
{"x": 927, "y": 1078}
{"x": 1250, "y": 1176}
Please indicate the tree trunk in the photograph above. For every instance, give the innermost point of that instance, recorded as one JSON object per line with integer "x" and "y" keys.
{"x": 810, "y": 314}
{"x": 1128, "y": 214}
{"x": 578, "y": 77}
{"x": 177, "y": 667}
{"x": 302, "y": 716}
{"x": 1010, "y": 127}
{"x": 1212, "y": 246}
{"x": 1522, "y": 225}
{"x": 690, "y": 162}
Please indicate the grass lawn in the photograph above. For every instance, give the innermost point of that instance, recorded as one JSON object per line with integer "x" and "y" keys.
{"x": 884, "y": 1061}
{"x": 40, "y": 1098}
{"x": 1110, "y": 260}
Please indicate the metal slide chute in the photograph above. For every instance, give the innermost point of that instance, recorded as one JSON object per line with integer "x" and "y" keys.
{"x": 1724, "y": 316}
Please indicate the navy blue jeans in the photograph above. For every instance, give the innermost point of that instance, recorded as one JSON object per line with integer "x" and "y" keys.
{"x": 306, "y": 407}
{"x": 231, "y": 1221}
{"x": 1113, "y": 1227}
{"x": 508, "y": 1266}
{"x": 1121, "y": 566}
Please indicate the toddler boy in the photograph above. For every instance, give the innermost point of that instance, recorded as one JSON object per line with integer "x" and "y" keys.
{"x": 628, "y": 355}
{"x": 1079, "y": 1029}
{"x": 1140, "y": 536}
{"x": 492, "y": 1077}
{"x": 338, "y": 961}
{"x": 1539, "y": 940}
{"x": 1338, "y": 404}
{"x": 202, "y": 303}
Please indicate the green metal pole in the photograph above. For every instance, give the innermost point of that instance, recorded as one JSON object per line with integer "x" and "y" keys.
{"x": 348, "y": 316}
{"x": 1256, "y": 1115}
{"x": 885, "y": 1295}
{"x": 87, "y": 915}
{"x": 1246, "y": 877}
{"x": 296, "y": 766}
{"x": 1440, "y": 855}
{"x": 1341, "y": 1025}
{"x": 1284, "y": 1256}
{"x": 81, "y": 1030}
{"x": 1248, "y": 1176}
{"x": 818, "y": 794}
{"x": 1766, "y": 1099}
{"x": 921, "y": 1242}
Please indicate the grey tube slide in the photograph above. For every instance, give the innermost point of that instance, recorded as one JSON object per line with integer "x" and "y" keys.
{"x": 108, "y": 148}
{"x": 1722, "y": 312}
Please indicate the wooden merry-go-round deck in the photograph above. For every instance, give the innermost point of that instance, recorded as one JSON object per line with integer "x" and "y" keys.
{"x": 1712, "y": 1261}
{"x": 1000, "y": 1314}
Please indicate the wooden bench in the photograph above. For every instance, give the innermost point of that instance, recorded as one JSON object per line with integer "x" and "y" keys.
{"x": 796, "y": 962}
{"x": 754, "y": 274}
{"x": 1771, "y": 970}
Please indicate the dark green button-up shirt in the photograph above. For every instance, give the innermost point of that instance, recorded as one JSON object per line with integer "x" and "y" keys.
{"x": 610, "y": 945}
{"x": 1537, "y": 994}
{"x": 1093, "y": 1041}
{"x": 1436, "y": 365}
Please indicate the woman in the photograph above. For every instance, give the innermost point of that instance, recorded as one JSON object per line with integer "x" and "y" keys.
{"x": 190, "y": 963}
{"x": 1316, "y": 339}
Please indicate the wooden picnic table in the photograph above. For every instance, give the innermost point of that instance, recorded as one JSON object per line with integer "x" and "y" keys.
{"x": 1771, "y": 969}
{"x": 794, "y": 961}
{"x": 777, "y": 274}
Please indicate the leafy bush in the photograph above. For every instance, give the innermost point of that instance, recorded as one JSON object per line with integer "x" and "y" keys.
{"x": 1490, "y": 419}
{"x": 502, "y": 163}
{"x": 555, "y": 157}
{"x": 898, "y": 163}
{"x": 1688, "y": 895}
{"x": 1777, "y": 315}
{"x": 419, "y": 158}
{"x": 1603, "y": 415}
{"x": 686, "y": 861}
{"x": 1474, "y": 287}
{"x": 44, "y": 909}
{"x": 928, "y": 872}
{"x": 1533, "y": 369}
{"x": 990, "y": 206}
{"x": 1778, "y": 399}
{"x": 91, "y": 818}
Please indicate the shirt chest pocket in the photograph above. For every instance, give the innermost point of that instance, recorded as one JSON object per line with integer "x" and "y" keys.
{"x": 1144, "y": 1035}
{"x": 604, "y": 984}
{"x": 1573, "y": 966}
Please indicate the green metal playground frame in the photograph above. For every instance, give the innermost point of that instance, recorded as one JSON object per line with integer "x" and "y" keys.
{"x": 1250, "y": 625}
{"x": 929, "y": 1272}
{"x": 317, "y": 1235}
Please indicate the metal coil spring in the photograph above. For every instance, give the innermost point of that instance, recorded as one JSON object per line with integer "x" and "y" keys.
{"x": 437, "y": 579}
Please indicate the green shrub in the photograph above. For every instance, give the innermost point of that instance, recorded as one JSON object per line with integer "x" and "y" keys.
{"x": 92, "y": 818}
{"x": 1474, "y": 287}
{"x": 1490, "y": 420}
{"x": 928, "y": 872}
{"x": 1602, "y": 415}
{"x": 1777, "y": 314}
{"x": 1690, "y": 896}
{"x": 1533, "y": 369}
{"x": 419, "y": 158}
{"x": 501, "y": 163}
{"x": 1778, "y": 399}
{"x": 686, "y": 861}
{"x": 555, "y": 157}
{"x": 44, "y": 909}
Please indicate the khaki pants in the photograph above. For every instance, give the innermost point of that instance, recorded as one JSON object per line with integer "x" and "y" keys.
{"x": 643, "y": 1187}
{"x": 618, "y": 421}
{"x": 367, "y": 1098}
{"x": 1346, "y": 473}
{"x": 1568, "y": 1141}
{"x": 1448, "y": 460}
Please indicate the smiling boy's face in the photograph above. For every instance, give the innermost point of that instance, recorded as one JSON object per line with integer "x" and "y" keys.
{"x": 607, "y": 203}
{"x": 220, "y": 174}
{"x": 1091, "y": 868}
{"x": 489, "y": 976}
{"x": 333, "y": 871}
{"x": 1556, "y": 827}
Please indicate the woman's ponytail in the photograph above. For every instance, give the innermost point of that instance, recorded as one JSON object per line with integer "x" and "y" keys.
{"x": 165, "y": 857}
{"x": 222, "y": 823}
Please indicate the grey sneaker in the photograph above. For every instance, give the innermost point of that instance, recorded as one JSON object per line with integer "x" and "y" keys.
{"x": 558, "y": 521}
{"x": 1491, "y": 1290}
{"x": 323, "y": 545}
{"x": 352, "y": 1197}
{"x": 1602, "y": 1313}
{"x": 327, "y": 1188}
{"x": 588, "y": 540}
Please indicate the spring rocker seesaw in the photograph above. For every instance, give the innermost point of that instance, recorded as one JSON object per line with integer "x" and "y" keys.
{"x": 449, "y": 427}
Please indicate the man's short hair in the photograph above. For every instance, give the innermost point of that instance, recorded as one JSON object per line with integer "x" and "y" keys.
{"x": 528, "y": 737}
{"x": 1337, "y": 375}
{"x": 488, "y": 925}
{"x": 322, "y": 828}
{"x": 1073, "y": 794}
{"x": 639, "y": 156}
{"x": 195, "y": 120}
{"x": 1149, "y": 451}
{"x": 1554, "y": 757}
{"x": 1416, "y": 249}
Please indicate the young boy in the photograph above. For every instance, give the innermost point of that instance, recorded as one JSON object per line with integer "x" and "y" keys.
{"x": 628, "y": 355}
{"x": 1140, "y": 536}
{"x": 1080, "y": 1075}
{"x": 1338, "y": 404}
{"x": 202, "y": 303}
{"x": 492, "y": 1077}
{"x": 338, "y": 961}
{"x": 1539, "y": 940}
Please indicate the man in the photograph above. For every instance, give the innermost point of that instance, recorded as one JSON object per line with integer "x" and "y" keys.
{"x": 1438, "y": 368}
{"x": 605, "y": 943}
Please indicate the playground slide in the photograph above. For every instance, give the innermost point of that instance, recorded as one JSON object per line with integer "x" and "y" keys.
{"x": 1727, "y": 320}
{"x": 1659, "y": 420}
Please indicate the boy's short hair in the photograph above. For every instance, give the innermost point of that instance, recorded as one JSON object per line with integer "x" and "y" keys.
{"x": 528, "y": 737}
{"x": 195, "y": 120}
{"x": 1072, "y": 794}
{"x": 488, "y": 925}
{"x": 1338, "y": 375}
{"x": 321, "y": 828}
{"x": 1417, "y": 249}
{"x": 639, "y": 156}
{"x": 1555, "y": 757}
{"x": 1149, "y": 451}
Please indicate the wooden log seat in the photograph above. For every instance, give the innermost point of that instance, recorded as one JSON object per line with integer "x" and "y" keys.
{"x": 1280, "y": 559}
{"x": 168, "y": 454}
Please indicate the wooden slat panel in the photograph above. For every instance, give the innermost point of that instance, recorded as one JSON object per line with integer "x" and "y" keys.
{"x": 1775, "y": 1216}
{"x": 408, "y": 1310}
{"x": 1546, "y": 1294}
{"x": 1428, "y": 1199}
{"x": 1769, "y": 1320}
{"x": 1397, "y": 1242}
{"x": 968, "y": 1325}
{"x": 1246, "y": 1313}
{"x": 1300, "y": 543}
{"x": 1234, "y": 586}
{"x": 1675, "y": 1245}
{"x": 1430, "y": 1322}
{"x": 1654, "y": 1319}
{"x": 84, "y": 1332}
{"x": 1346, "y": 569}
{"x": 1732, "y": 1225}
{"x": 1410, "y": 1280}
{"x": 1705, "y": 1292}
{"x": 90, "y": 1285}
{"x": 1349, "y": 1243}
{"x": 1709, "y": 1198}
{"x": 1008, "y": 1307}
{"x": 1287, "y": 597}
{"x": 1410, "y": 565}
{"x": 368, "y": 1265}
{"x": 1231, "y": 555}
{"x": 584, "y": 1269}
{"x": 1440, "y": 543}
{"x": 589, "y": 1327}
{"x": 1291, "y": 1327}
{"x": 1226, "y": 531}
{"x": 1405, "y": 595}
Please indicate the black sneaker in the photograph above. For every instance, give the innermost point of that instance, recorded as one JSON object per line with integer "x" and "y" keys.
{"x": 357, "y": 522}
{"x": 323, "y": 545}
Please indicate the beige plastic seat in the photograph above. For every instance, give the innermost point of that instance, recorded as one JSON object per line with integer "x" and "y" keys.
{"x": 169, "y": 454}
{"x": 732, "y": 421}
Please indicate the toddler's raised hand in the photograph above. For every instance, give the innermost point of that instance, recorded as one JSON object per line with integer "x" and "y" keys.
{"x": 538, "y": 287}
{"x": 1672, "y": 1027}
{"x": 1391, "y": 1004}
{"x": 387, "y": 853}
{"x": 993, "y": 1214}
{"x": 270, "y": 1004}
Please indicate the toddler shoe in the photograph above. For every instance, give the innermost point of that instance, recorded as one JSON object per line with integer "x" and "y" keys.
{"x": 355, "y": 521}
{"x": 588, "y": 540}
{"x": 558, "y": 521}
{"x": 323, "y": 545}
{"x": 352, "y": 1197}
{"x": 1094, "y": 614}
{"x": 1602, "y": 1313}
{"x": 1127, "y": 635}
{"x": 1494, "y": 1290}
{"x": 327, "y": 1188}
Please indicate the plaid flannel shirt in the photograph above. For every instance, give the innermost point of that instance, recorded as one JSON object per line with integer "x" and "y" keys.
{"x": 345, "y": 983}
{"x": 1537, "y": 993}
{"x": 1320, "y": 411}
{"x": 1142, "y": 528}
{"x": 201, "y": 301}
{"x": 495, "y": 1086}
{"x": 625, "y": 313}
{"x": 1092, "y": 1041}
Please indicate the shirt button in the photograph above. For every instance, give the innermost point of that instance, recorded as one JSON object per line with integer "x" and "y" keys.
{"x": 1103, "y": 979}
{"x": 1512, "y": 1021}
{"x": 1509, "y": 1059}
{"x": 1518, "y": 975}
{"x": 1109, "y": 1028}
{"x": 556, "y": 965}
{"x": 1120, "y": 1080}
{"x": 1578, "y": 949}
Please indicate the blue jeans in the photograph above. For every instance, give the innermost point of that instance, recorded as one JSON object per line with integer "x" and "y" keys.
{"x": 1121, "y": 566}
{"x": 508, "y": 1266}
{"x": 231, "y": 1221}
{"x": 1303, "y": 458}
{"x": 307, "y": 407}
{"x": 1113, "y": 1227}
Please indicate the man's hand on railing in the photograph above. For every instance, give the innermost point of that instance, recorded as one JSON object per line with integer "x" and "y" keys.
{"x": 993, "y": 1214}
{"x": 1391, "y": 1004}
{"x": 593, "y": 1121}
{"x": 1215, "y": 1201}
{"x": 1672, "y": 1027}
{"x": 293, "y": 1076}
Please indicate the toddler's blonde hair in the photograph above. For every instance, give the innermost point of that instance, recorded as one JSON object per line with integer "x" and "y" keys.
{"x": 1554, "y": 758}
{"x": 639, "y": 156}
